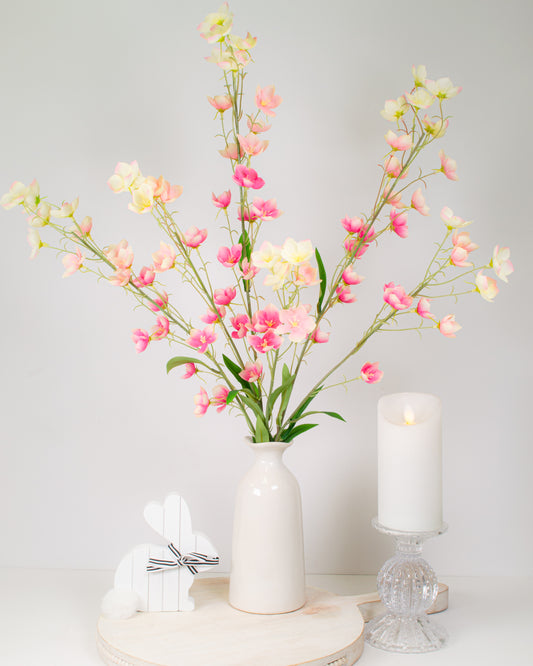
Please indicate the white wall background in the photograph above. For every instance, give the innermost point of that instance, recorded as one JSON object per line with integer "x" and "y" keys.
{"x": 90, "y": 431}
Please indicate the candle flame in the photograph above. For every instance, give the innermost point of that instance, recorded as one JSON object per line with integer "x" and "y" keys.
{"x": 409, "y": 416}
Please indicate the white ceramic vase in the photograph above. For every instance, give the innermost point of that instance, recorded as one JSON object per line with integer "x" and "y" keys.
{"x": 267, "y": 571}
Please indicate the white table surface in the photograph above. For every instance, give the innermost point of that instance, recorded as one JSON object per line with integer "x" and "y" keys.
{"x": 48, "y": 618}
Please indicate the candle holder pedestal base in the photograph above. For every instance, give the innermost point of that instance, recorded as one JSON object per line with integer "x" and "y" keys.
{"x": 407, "y": 586}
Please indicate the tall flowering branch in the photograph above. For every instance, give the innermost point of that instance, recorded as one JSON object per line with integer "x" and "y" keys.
{"x": 252, "y": 344}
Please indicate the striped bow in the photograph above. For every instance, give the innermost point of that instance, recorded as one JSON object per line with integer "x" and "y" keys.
{"x": 190, "y": 560}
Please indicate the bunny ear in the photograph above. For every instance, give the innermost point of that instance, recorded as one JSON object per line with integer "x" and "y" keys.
{"x": 172, "y": 520}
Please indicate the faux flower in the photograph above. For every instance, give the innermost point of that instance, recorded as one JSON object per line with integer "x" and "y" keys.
{"x": 241, "y": 324}
{"x": 221, "y": 102}
{"x": 296, "y": 252}
{"x": 211, "y": 316}
{"x": 265, "y": 210}
{"x": 319, "y": 336}
{"x": 145, "y": 278}
{"x": 142, "y": 198}
{"x": 436, "y": 127}
{"x": 345, "y": 295}
{"x": 248, "y": 270}
{"x": 257, "y": 126}
{"x": 84, "y": 227}
{"x": 190, "y": 370}
{"x": 419, "y": 203}
{"x": 15, "y": 196}
{"x": 448, "y": 326}
{"x": 370, "y": 373}
{"x": 140, "y": 338}
{"x": 351, "y": 243}
{"x": 230, "y": 256}
{"x": 252, "y": 371}
{"x": 251, "y": 144}
{"x": 120, "y": 255}
{"x": 194, "y": 237}
{"x": 349, "y": 276}
{"x": 501, "y": 262}
{"x": 216, "y": 25}
{"x": 419, "y": 75}
{"x": 41, "y": 217}
{"x": 266, "y": 343}
{"x": 164, "y": 258}
{"x": 267, "y": 255}
{"x": 246, "y": 177}
{"x": 448, "y": 166}
{"x": 279, "y": 272}
{"x": 486, "y": 286}
{"x": 392, "y": 198}
{"x": 353, "y": 225}
{"x": 164, "y": 191}
{"x": 399, "y": 223}
{"x": 72, "y": 262}
{"x": 399, "y": 142}
{"x": 443, "y": 88}
{"x": 201, "y": 400}
{"x": 231, "y": 151}
{"x": 396, "y": 297}
{"x": 160, "y": 330}
{"x": 223, "y": 200}
{"x": 120, "y": 277}
{"x": 452, "y": 221}
{"x": 268, "y": 318}
{"x": 201, "y": 339}
{"x": 243, "y": 43}
{"x": 220, "y": 397}
{"x": 66, "y": 210}
{"x": 423, "y": 309}
{"x": 224, "y": 296}
{"x": 297, "y": 323}
{"x": 305, "y": 275}
{"x": 393, "y": 167}
{"x": 160, "y": 302}
{"x": 126, "y": 176}
{"x": 420, "y": 99}
{"x": 394, "y": 109}
{"x": 266, "y": 100}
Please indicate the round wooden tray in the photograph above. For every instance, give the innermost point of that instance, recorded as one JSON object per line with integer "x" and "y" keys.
{"x": 327, "y": 631}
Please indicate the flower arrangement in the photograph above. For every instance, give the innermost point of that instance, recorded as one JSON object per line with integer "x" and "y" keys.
{"x": 264, "y": 320}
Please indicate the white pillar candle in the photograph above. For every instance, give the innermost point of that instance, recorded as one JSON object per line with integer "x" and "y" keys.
{"x": 410, "y": 462}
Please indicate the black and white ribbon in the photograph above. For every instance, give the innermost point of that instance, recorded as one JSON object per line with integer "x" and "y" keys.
{"x": 190, "y": 560}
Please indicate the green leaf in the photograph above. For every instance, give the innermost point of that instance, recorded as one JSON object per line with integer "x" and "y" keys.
{"x": 287, "y": 385}
{"x": 235, "y": 369}
{"x": 333, "y": 415}
{"x": 231, "y": 396}
{"x": 244, "y": 240}
{"x": 323, "y": 280}
{"x": 261, "y": 432}
{"x": 294, "y": 431}
{"x": 181, "y": 360}
{"x": 298, "y": 413}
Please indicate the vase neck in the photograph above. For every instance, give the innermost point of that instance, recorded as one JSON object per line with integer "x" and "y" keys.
{"x": 269, "y": 452}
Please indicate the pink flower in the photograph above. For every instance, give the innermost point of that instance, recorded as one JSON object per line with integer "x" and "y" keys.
{"x": 396, "y": 297}
{"x": 164, "y": 258}
{"x": 399, "y": 223}
{"x": 224, "y": 296}
{"x": 250, "y": 214}
{"x": 401, "y": 142}
{"x": 140, "y": 338}
{"x": 419, "y": 203}
{"x": 223, "y": 200}
{"x": 394, "y": 167}
{"x": 252, "y": 372}
{"x": 459, "y": 257}
{"x": 448, "y": 166}
{"x": 297, "y": 323}
{"x": 486, "y": 286}
{"x": 145, "y": 278}
{"x": 448, "y": 326}
{"x": 392, "y": 198}
{"x": 370, "y": 373}
{"x": 266, "y": 100}
{"x": 258, "y": 126}
{"x": 462, "y": 247}
{"x": 212, "y": 317}
{"x": 159, "y": 303}
{"x": 160, "y": 330}
{"x": 201, "y": 339}
{"x": 266, "y": 210}
{"x": 349, "y": 276}
{"x": 246, "y": 177}
{"x": 266, "y": 319}
{"x": 351, "y": 243}
{"x": 353, "y": 225}
{"x": 305, "y": 275}
{"x": 264, "y": 344}
{"x": 501, "y": 262}
{"x": 220, "y": 397}
{"x": 249, "y": 271}
{"x": 230, "y": 256}
{"x": 252, "y": 144}
{"x": 85, "y": 227}
{"x": 423, "y": 309}
{"x": 319, "y": 336}
{"x": 190, "y": 370}
{"x": 72, "y": 262}
{"x": 121, "y": 255}
{"x": 345, "y": 295}
{"x": 201, "y": 400}
{"x": 231, "y": 151}
{"x": 194, "y": 237}
{"x": 120, "y": 277}
{"x": 167, "y": 192}
{"x": 220, "y": 102}
{"x": 241, "y": 324}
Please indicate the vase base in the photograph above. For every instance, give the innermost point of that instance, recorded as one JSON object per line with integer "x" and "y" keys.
{"x": 397, "y": 633}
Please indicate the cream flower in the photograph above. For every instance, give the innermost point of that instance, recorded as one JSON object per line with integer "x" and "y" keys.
{"x": 217, "y": 25}
{"x": 443, "y": 88}
{"x": 394, "y": 109}
{"x": 501, "y": 263}
{"x": 296, "y": 253}
{"x": 419, "y": 75}
{"x": 421, "y": 98}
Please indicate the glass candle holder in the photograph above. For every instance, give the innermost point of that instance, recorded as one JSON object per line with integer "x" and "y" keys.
{"x": 407, "y": 586}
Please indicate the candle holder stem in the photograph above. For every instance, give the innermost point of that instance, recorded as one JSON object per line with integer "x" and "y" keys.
{"x": 407, "y": 586}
